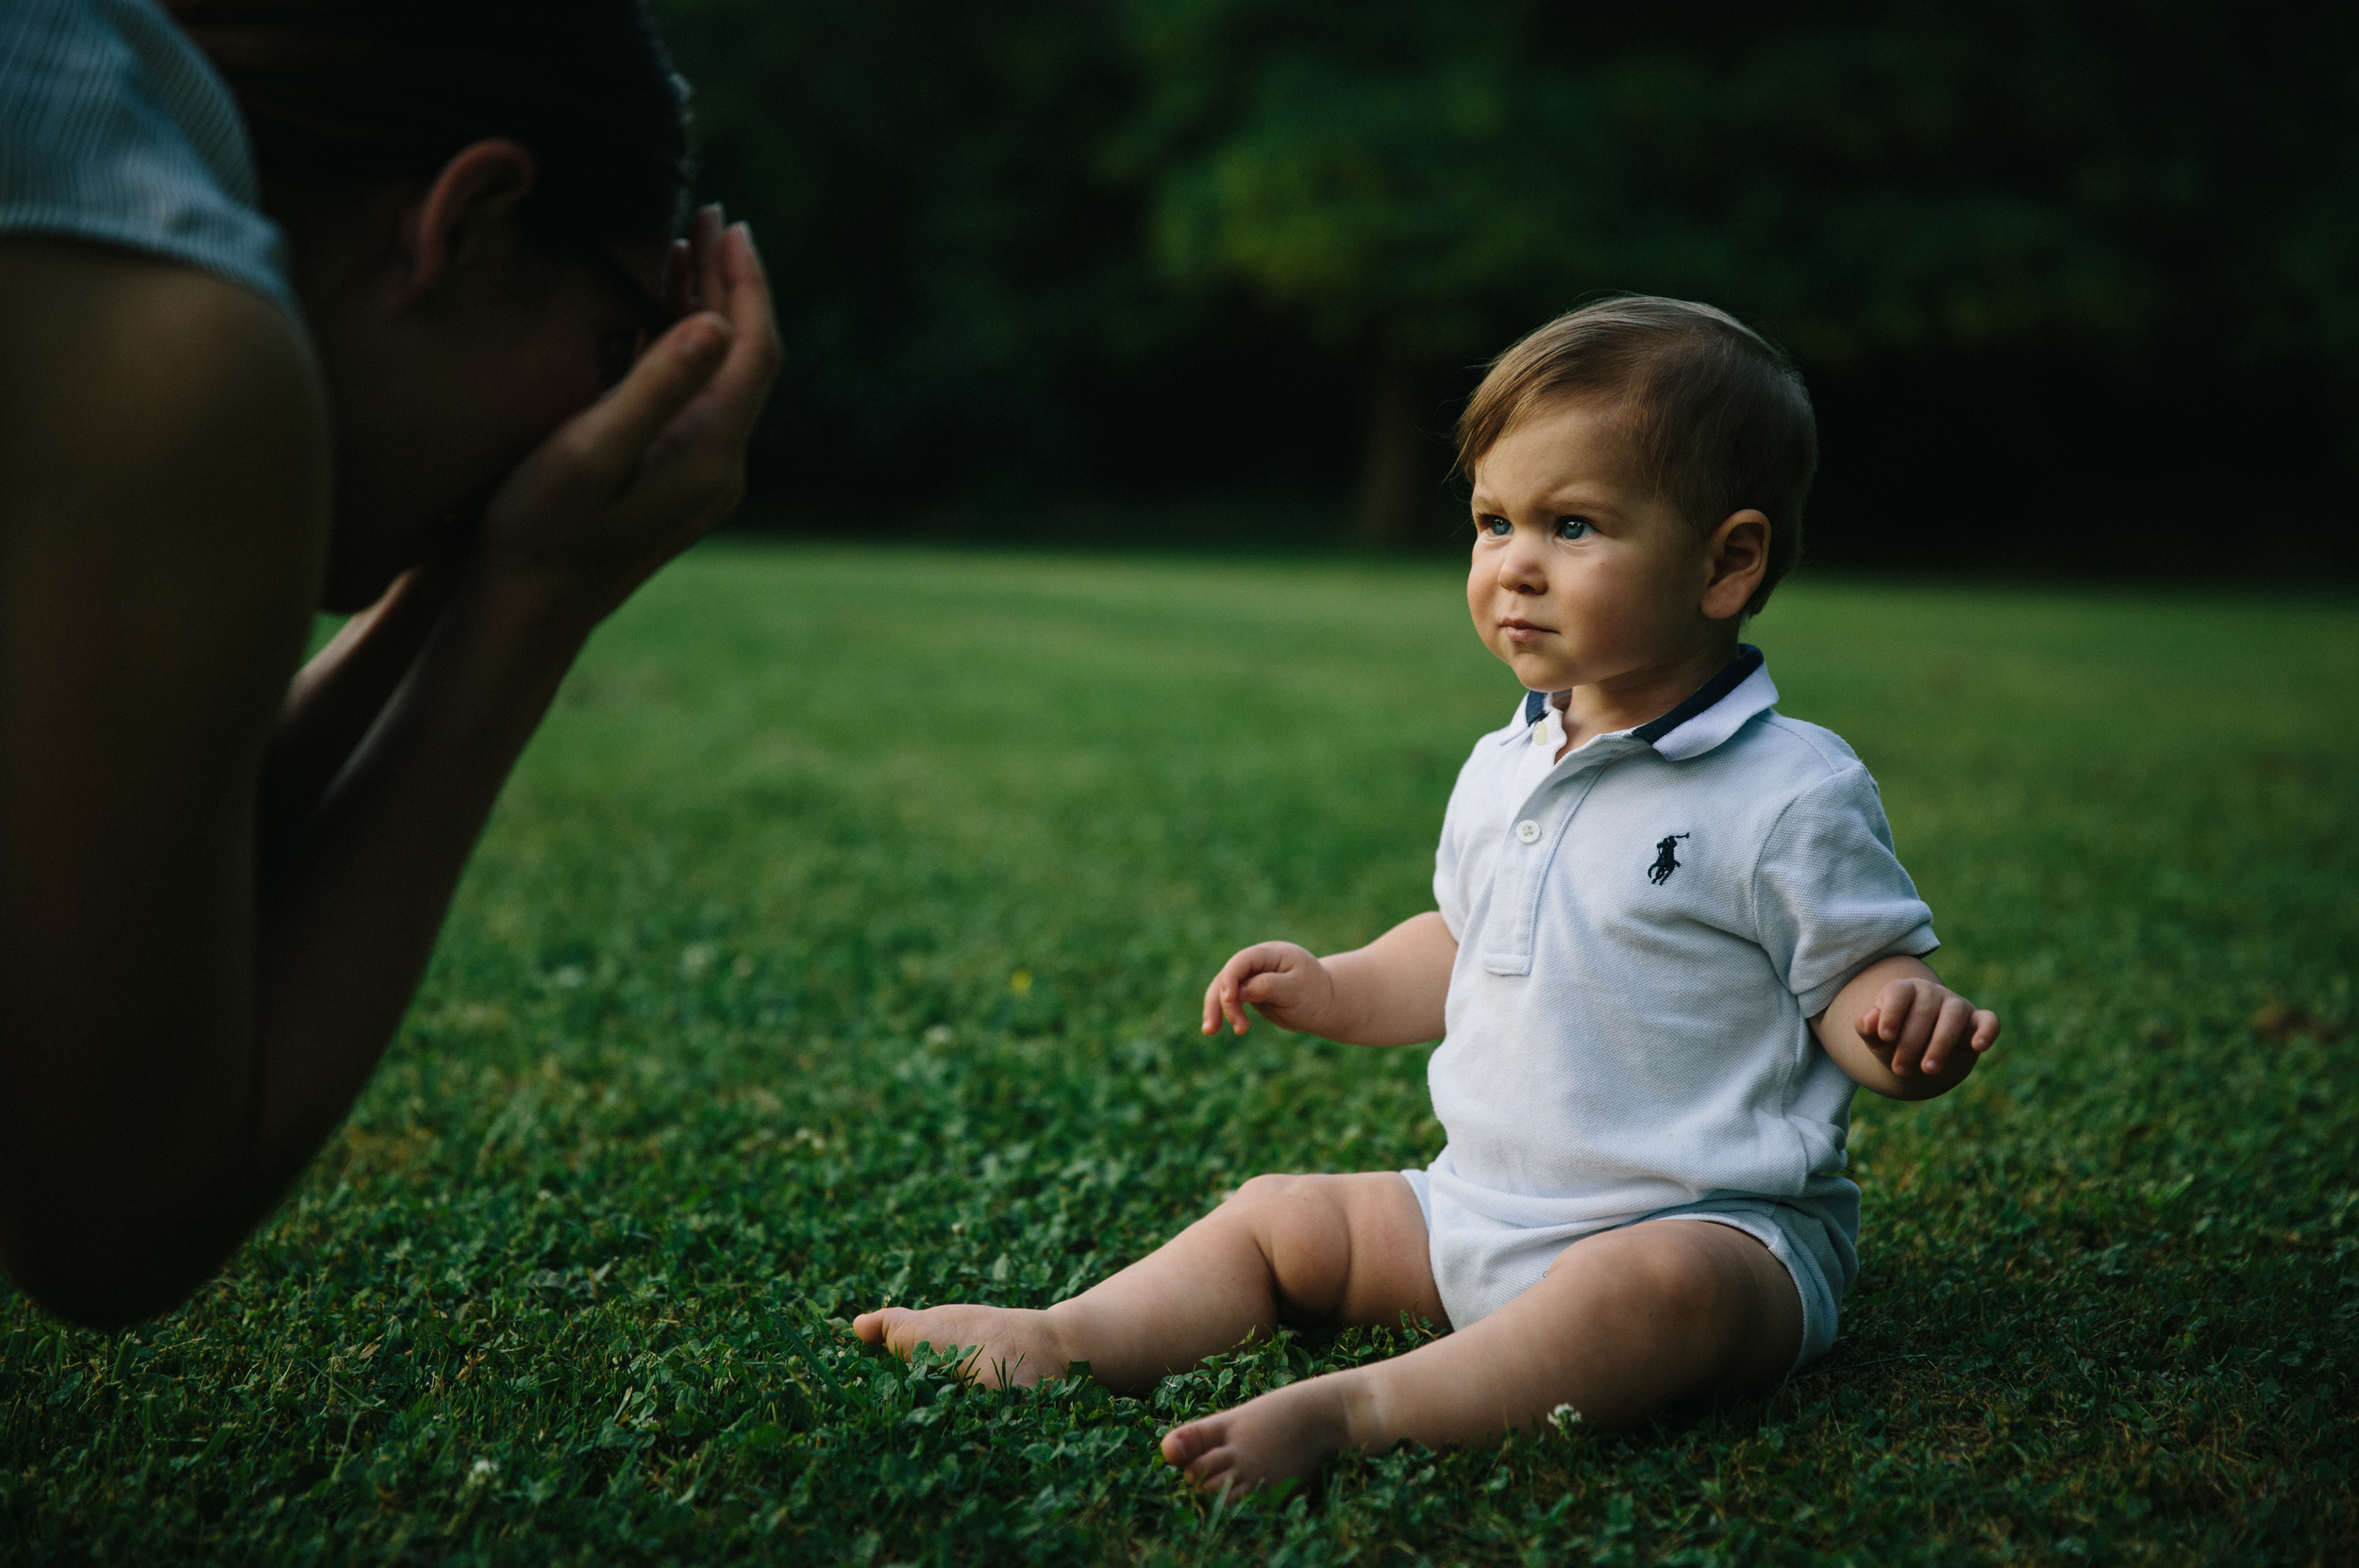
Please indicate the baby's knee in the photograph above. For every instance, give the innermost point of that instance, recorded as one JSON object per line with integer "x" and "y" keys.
{"x": 1273, "y": 1189}
{"x": 1278, "y": 1201}
{"x": 1300, "y": 1222}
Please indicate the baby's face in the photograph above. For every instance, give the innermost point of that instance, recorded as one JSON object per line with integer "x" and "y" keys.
{"x": 1581, "y": 576}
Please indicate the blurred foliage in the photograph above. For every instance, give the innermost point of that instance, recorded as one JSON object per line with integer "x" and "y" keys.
{"x": 1856, "y": 177}
{"x": 925, "y": 183}
{"x": 1020, "y": 235}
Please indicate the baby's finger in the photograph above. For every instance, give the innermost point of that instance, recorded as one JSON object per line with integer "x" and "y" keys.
{"x": 1220, "y": 997}
{"x": 1949, "y": 1030}
{"x": 1866, "y": 1023}
{"x": 1223, "y": 1003}
{"x": 1893, "y": 1008}
{"x": 1985, "y": 1029}
{"x": 1915, "y": 1035}
{"x": 1266, "y": 991}
{"x": 1232, "y": 983}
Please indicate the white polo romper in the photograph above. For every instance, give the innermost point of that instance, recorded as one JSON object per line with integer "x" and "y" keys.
{"x": 1643, "y": 931}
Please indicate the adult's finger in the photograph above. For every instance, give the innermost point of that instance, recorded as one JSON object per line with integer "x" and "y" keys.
{"x": 680, "y": 279}
{"x": 705, "y": 229}
{"x": 599, "y": 448}
{"x": 740, "y": 288}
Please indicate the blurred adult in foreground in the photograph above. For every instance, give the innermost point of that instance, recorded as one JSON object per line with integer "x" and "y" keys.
{"x": 373, "y": 306}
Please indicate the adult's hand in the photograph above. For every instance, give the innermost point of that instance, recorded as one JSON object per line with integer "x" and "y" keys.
{"x": 637, "y": 477}
{"x": 183, "y": 1018}
{"x": 602, "y": 502}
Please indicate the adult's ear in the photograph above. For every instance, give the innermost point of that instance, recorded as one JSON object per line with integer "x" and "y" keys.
{"x": 466, "y": 209}
{"x": 1735, "y": 558}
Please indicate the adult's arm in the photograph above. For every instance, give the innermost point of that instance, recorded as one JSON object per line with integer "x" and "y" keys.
{"x": 182, "y": 1022}
{"x": 337, "y": 697}
{"x": 163, "y": 493}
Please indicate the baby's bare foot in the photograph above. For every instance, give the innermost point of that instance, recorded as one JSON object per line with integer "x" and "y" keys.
{"x": 1017, "y": 1347}
{"x": 1288, "y": 1431}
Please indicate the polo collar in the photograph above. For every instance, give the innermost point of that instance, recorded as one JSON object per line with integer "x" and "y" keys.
{"x": 1711, "y": 713}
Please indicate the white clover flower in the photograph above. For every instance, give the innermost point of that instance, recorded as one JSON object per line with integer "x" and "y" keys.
{"x": 1563, "y": 1418}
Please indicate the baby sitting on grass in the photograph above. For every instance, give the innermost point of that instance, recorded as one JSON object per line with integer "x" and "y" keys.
{"x": 1672, "y": 936}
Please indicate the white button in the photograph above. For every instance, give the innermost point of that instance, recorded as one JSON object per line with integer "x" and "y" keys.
{"x": 1528, "y": 830}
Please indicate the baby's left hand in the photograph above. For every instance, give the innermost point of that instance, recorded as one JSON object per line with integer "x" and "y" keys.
{"x": 1918, "y": 1026}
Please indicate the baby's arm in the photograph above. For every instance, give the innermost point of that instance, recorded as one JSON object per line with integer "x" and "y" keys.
{"x": 1896, "y": 1029}
{"x": 1389, "y": 992}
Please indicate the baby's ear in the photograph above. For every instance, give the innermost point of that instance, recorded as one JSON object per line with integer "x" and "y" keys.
{"x": 1736, "y": 556}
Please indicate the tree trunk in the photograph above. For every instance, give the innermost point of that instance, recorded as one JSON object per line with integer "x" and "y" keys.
{"x": 1400, "y": 467}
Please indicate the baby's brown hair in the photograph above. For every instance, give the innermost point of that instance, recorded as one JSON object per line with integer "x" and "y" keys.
{"x": 1716, "y": 414}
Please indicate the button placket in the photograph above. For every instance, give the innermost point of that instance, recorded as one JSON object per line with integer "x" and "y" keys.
{"x": 1518, "y": 876}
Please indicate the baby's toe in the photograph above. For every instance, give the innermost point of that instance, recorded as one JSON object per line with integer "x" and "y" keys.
{"x": 1186, "y": 1448}
{"x": 873, "y": 1327}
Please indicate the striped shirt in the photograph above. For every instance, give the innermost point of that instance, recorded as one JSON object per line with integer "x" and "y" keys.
{"x": 114, "y": 128}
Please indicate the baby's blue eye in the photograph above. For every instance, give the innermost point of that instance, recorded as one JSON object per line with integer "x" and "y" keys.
{"x": 1572, "y": 528}
{"x": 1497, "y": 528}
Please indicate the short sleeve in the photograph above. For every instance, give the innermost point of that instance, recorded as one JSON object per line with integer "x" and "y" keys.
{"x": 1829, "y": 894}
{"x": 1445, "y": 874}
{"x": 115, "y": 129}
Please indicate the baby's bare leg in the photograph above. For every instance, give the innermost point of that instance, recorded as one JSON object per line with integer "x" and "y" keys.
{"x": 1626, "y": 1323}
{"x": 1293, "y": 1249}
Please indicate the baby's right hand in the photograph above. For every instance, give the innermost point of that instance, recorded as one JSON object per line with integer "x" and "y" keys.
{"x": 1287, "y": 984}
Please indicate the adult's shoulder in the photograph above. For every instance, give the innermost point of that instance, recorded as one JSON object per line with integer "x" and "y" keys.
{"x": 123, "y": 372}
{"x": 116, "y": 129}
{"x": 163, "y": 478}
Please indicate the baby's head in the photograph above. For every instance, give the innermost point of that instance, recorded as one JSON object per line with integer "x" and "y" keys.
{"x": 1639, "y": 468}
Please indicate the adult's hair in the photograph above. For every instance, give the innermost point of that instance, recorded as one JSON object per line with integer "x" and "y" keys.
{"x": 341, "y": 94}
{"x": 1716, "y": 414}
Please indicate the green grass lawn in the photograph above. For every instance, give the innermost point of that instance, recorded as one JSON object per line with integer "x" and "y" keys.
{"x": 839, "y": 942}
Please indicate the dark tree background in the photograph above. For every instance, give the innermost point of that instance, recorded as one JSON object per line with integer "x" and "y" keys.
{"x": 2076, "y": 285}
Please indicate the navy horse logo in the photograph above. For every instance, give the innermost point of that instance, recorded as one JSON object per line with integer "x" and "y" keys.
{"x": 1665, "y": 861}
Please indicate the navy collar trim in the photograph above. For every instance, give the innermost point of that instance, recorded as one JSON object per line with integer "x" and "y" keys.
{"x": 1732, "y": 674}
